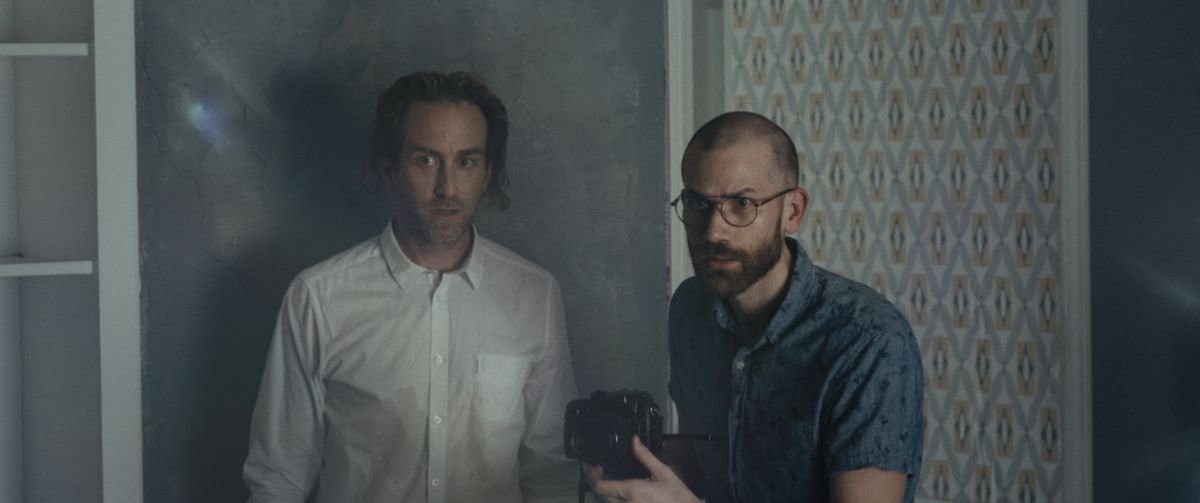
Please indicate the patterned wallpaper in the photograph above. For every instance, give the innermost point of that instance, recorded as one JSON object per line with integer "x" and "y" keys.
{"x": 927, "y": 131}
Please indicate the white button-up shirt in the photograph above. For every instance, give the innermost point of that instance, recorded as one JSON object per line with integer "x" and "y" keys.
{"x": 386, "y": 381}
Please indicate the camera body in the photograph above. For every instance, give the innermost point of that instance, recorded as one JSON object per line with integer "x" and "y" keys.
{"x": 600, "y": 431}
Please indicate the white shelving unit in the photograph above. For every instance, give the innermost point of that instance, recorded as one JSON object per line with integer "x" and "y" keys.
{"x": 70, "y": 341}
{"x": 16, "y": 267}
{"x": 43, "y": 49}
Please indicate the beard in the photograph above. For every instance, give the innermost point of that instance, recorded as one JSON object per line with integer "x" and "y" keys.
{"x": 432, "y": 228}
{"x": 442, "y": 232}
{"x": 754, "y": 264}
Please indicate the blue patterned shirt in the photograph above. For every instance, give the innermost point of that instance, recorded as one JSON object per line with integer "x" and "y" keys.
{"x": 834, "y": 384}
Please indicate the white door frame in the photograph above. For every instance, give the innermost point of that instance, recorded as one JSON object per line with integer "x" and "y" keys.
{"x": 679, "y": 128}
{"x": 680, "y": 118}
{"x": 1075, "y": 261}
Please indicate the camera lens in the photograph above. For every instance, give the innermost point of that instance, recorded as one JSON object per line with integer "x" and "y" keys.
{"x": 601, "y": 438}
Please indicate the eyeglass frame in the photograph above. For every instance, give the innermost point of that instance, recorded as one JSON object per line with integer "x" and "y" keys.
{"x": 719, "y": 204}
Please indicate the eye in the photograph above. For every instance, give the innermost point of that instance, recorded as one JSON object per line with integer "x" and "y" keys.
{"x": 426, "y": 160}
{"x": 467, "y": 162}
{"x": 693, "y": 202}
{"x": 742, "y": 202}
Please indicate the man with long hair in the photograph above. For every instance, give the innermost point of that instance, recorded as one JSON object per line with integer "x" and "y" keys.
{"x": 427, "y": 363}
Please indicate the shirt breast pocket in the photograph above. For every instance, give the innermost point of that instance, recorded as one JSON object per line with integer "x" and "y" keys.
{"x": 499, "y": 385}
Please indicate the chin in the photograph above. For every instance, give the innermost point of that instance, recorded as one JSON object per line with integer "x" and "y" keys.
{"x": 723, "y": 284}
{"x": 443, "y": 234}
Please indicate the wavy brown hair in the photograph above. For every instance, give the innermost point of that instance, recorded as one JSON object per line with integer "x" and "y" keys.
{"x": 387, "y": 134}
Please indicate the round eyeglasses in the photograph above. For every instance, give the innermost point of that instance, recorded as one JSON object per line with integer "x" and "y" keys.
{"x": 739, "y": 211}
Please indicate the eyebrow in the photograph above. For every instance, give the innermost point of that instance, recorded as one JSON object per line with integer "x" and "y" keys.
{"x": 743, "y": 192}
{"x": 432, "y": 151}
{"x": 471, "y": 151}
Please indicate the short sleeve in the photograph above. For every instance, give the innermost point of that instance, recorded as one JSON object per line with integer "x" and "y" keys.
{"x": 873, "y": 414}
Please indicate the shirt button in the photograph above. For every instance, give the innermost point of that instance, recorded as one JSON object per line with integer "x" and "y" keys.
{"x": 435, "y": 482}
{"x": 437, "y": 419}
{"x": 437, "y": 359}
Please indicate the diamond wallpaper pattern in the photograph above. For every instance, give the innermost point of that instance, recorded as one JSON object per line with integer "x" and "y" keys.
{"x": 927, "y": 132}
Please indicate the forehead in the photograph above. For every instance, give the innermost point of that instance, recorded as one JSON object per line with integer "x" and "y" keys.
{"x": 748, "y": 164}
{"x": 444, "y": 124}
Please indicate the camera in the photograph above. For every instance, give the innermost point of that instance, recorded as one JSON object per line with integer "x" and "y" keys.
{"x": 600, "y": 431}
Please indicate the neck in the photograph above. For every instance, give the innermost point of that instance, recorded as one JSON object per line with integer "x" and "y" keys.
{"x": 443, "y": 257}
{"x": 756, "y": 306}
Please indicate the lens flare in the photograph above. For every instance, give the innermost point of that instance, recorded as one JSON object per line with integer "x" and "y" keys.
{"x": 208, "y": 124}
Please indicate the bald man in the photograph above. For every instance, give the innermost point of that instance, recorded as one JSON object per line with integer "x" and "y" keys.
{"x": 813, "y": 381}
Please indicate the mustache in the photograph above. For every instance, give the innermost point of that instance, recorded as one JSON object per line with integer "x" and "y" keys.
{"x": 705, "y": 250}
{"x": 445, "y": 203}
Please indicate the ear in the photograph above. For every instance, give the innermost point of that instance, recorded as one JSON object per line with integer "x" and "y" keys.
{"x": 794, "y": 205}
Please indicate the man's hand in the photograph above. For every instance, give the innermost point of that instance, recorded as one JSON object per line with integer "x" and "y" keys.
{"x": 663, "y": 486}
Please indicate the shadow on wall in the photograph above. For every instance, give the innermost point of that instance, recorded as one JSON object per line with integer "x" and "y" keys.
{"x": 299, "y": 204}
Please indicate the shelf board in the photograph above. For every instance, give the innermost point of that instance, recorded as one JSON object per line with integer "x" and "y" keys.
{"x": 54, "y": 49}
{"x": 16, "y": 267}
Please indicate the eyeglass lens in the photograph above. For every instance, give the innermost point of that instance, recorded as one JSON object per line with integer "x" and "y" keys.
{"x": 695, "y": 210}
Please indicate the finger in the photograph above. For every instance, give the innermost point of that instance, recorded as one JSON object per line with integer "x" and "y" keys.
{"x": 658, "y": 470}
{"x": 595, "y": 473}
{"x": 610, "y": 489}
{"x": 595, "y": 479}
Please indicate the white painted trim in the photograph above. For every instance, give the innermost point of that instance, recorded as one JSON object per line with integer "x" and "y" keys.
{"x": 680, "y": 119}
{"x": 1076, "y": 390}
{"x": 679, "y": 128}
{"x": 117, "y": 255}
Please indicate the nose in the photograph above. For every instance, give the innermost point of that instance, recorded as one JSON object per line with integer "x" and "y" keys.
{"x": 445, "y": 184}
{"x": 716, "y": 229}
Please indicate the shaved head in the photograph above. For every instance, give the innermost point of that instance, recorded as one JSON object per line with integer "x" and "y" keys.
{"x": 733, "y": 127}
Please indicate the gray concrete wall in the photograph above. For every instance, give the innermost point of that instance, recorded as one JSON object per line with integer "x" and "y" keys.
{"x": 252, "y": 134}
{"x": 1145, "y": 149}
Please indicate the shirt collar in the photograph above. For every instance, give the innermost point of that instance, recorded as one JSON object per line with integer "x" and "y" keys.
{"x": 802, "y": 287}
{"x": 409, "y": 275}
{"x": 799, "y": 294}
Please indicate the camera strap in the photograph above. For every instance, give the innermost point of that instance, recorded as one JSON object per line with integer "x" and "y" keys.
{"x": 583, "y": 486}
